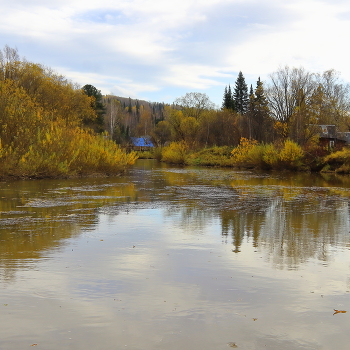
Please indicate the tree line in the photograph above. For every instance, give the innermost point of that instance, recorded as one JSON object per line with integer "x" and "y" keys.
{"x": 290, "y": 105}
{"x": 47, "y": 123}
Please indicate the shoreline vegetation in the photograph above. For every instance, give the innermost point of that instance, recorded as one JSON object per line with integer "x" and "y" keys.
{"x": 249, "y": 154}
{"x": 52, "y": 128}
{"x": 46, "y": 126}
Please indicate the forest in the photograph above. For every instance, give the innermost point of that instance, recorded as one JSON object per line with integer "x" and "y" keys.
{"x": 51, "y": 127}
{"x": 273, "y": 125}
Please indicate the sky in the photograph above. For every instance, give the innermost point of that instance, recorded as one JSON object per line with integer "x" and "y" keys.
{"x": 158, "y": 50}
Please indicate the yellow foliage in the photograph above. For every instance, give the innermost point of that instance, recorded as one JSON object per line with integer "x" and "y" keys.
{"x": 239, "y": 153}
{"x": 342, "y": 156}
{"x": 338, "y": 161}
{"x": 189, "y": 128}
{"x": 175, "y": 153}
{"x": 36, "y": 142}
{"x": 250, "y": 153}
{"x": 291, "y": 155}
{"x": 270, "y": 156}
{"x": 213, "y": 156}
{"x": 281, "y": 129}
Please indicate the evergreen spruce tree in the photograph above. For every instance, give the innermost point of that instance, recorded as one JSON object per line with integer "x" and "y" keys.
{"x": 251, "y": 111}
{"x": 97, "y": 105}
{"x": 137, "y": 111}
{"x": 224, "y": 100}
{"x": 232, "y": 105}
{"x": 228, "y": 101}
{"x": 240, "y": 95}
{"x": 129, "y": 106}
{"x": 260, "y": 93}
{"x": 261, "y": 114}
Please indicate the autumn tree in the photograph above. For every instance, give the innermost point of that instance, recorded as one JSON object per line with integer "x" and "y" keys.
{"x": 194, "y": 104}
{"x": 284, "y": 91}
{"x": 41, "y": 132}
{"x": 161, "y": 133}
{"x": 144, "y": 117}
{"x": 113, "y": 114}
{"x": 193, "y": 121}
{"x": 9, "y": 60}
{"x": 175, "y": 117}
{"x": 333, "y": 98}
{"x": 223, "y": 129}
{"x": 60, "y": 98}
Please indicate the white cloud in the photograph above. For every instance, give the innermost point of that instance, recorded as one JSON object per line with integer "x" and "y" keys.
{"x": 158, "y": 45}
{"x": 118, "y": 85}
{"x": 315, "y": 40}
{"x": 192, "y": 76}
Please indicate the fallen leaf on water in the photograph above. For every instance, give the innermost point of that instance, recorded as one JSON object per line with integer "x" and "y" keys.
{"x": 34, "y": 344}
{"x": 232, "y": 344}
{"x": 254, "y": 319}
{"x": 339, "y": 312}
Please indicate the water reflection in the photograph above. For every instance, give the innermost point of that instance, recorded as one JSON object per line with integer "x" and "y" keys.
{"x": 291, "y": 217}
{"x": 169, "y": 257}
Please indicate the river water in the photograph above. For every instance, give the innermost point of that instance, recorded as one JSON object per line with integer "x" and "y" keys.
{"x": 176, "y": 258}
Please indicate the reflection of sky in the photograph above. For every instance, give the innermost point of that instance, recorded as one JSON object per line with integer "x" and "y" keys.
{"x": 151, "y": 275}
{"x": 143, "y": 280}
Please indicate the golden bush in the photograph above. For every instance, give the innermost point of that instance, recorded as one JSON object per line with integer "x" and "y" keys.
{"x": 33, "y": 144}
{"x": 239, "y": 154}
{"x": 175, "y": 153}
{"x": 291, "y": 155}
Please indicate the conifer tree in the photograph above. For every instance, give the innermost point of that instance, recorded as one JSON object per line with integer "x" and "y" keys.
{"x": 231, "y": 100}
{"x": 260, "y": 114}
{"x": 251, "y": 98}
{"x": 240, "y": 95}
{"x": 97, "y": 105}
{"x": 137, "y": 110}
{"x": 129, "y": 106}
{"x": 228, "y": 101}
{"x": 260, "y": 93}
{"x": 251, "y": 111}
{"x": 224, "y": 100}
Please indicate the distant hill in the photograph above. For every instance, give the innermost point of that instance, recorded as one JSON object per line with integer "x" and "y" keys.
{"x": 127, "y": 101}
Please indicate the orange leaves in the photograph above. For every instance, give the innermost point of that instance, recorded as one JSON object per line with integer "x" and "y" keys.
{"x": 339, "y": 312}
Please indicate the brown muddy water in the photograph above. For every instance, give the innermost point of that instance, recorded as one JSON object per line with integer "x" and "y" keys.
{"x": 176, "y": 258}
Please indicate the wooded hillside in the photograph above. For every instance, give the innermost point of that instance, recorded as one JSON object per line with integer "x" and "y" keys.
{"x": 42, "y": 118}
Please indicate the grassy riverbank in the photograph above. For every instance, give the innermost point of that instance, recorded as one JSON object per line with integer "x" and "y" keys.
{"x": 250, "y": 154}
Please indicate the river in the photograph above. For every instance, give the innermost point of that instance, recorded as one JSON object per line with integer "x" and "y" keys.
{"x": 169, "y": 258}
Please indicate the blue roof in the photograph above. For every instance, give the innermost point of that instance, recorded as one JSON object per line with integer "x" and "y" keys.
{"x": 142, "y": 142}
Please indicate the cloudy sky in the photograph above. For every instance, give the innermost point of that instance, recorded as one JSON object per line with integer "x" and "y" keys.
{"x": 158, "y": 50}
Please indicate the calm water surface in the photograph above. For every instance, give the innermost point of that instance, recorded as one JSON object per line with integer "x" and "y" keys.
{"x": 176, "y": 258}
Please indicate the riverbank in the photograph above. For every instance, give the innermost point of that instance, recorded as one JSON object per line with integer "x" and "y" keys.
{"x": 251, "y": 155}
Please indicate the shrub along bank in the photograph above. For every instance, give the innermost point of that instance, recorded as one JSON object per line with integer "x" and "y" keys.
{"x": 42, "y": 132}
{"x": 287, "y": 155}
